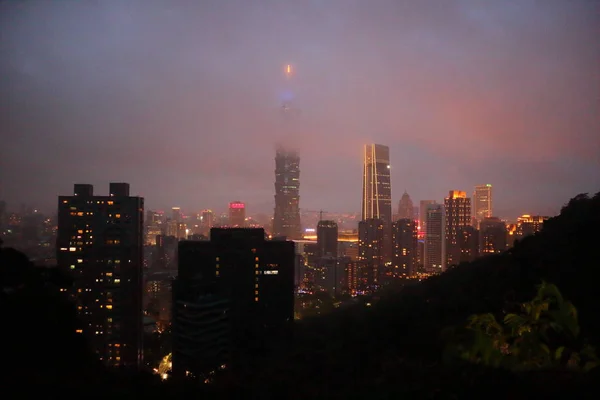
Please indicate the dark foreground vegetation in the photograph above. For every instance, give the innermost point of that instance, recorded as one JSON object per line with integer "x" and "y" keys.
{"x": 523, "y": 324}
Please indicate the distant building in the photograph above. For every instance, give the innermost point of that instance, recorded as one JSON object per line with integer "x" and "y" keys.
{"x": 492, "y": 236}
{"x": 530, "y": 224}
{"x": 405, "y": 208}
{"x": 404, "y": 242}
{"x": 434, "y": 255}
{"x": 286, "y": 218}
{"x": 423, "y": 204}
{"x": 377, "y": 191}
{"x": 327, "y": 238}
{"x": 237, "y": 214}
{"x": 482, "y": 203}
{"x": 100, "y": 245}
{"x": 370, "y": 249}
{"x": 457, "y": 207}
{"x": 233, "y": 299}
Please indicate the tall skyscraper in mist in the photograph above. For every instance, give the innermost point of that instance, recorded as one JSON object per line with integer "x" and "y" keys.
{"x": 100, "y": 245}
{"x": 286, "y": 218}
{"x": 458, "y": 216}
{"x": 482, "y": 203}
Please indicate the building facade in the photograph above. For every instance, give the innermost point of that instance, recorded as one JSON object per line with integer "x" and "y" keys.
{"x": 286, "y": 218}
{"x": 100, "y": 245}
{"x": 457, "y": 207}
{"x": 404, "y": 242}
{"x": 482, "y": 203}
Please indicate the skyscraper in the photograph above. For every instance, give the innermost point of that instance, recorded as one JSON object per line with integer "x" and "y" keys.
{"x": 434, "y": 258}
{"x": 377, "y": 187}
{"x": 327, "y": 238}
{"x": 492, "y": 236}
{"x": 423, "y": 204}
{"x": 404, "y": 241}
{"x": 286, "y": 219}
{"x": 100, "y": 245}
{"x": 458, "y": 216}
{"x": 370, "y": 249}
{"x": 237, "y": 214}
{"x": 482, "y": 203}
{"x": 405, "y": 207}
{"x": 233, "y": 299}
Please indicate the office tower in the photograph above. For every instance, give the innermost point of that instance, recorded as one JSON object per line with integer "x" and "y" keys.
{"x": 233, "y": 299}
{"x": 327, "y": 238}
{"x": 176, "y": 214}
{"x": 457, "y": 207}
{"x": 100, "y": 245}
{"x": 492, "y": 234}
{"x": 237, "y": 214}
{"x": 377, "y": 187}
{"x": 370, "y": 248}
{"x": 286, "y": 218}
{"x": 158, "y": 304}
{"x": 423, "y": 204}
{"x": 206, "y": 222}
{"x": 482, "y": 203}
{"x": 434, "y": 255}
{"x": 405, "y": 207}
{"x": 404, "y": 242}
{"x": 377, "y": 192}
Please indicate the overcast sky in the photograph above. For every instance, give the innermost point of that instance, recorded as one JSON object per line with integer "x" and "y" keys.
{"x": 182, "y": 99}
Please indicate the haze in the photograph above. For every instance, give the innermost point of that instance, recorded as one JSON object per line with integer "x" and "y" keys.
{"x": 182, "y": 99}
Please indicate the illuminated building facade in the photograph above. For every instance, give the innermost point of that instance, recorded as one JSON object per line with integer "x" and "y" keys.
{"x": 529, "y": 224}
{"x": 423, "y": 204}
{"x": 377, "y": 187}
{"x": 207, "y": 218}
{"x": 237, "y": 214}
{"x": 482, "y": 203}
{"x": 492, "y": 234}
{"x": 404, "y": 242}
{"x": 233, "y": 298}
{"x": 286, "y": 218}
{"x": 100, "y": 245}
{"x": 457, "y": 207}
{"x": 370, "y": 249}
{"x": 434, "y": 252}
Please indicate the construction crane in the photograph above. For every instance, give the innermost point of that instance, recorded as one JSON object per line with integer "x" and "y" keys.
{"x": 321, "y": 212}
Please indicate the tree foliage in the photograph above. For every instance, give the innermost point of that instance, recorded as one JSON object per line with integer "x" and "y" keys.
{"x": 544, "y": 334}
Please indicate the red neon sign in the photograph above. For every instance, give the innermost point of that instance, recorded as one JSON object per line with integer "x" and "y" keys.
{"x": 237, "y": 205}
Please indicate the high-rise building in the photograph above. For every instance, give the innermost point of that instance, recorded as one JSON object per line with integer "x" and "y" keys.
{"x": 457, "y": 207}
{"x": 100, "y": 245}
{"x": 377, "y": 192}
{"x": 405, "y": 208}
{"x": 286, "y": 218}
{"x": 492, "y": 236}
{"x": 327, "y": 238}
{"x": 529, "y": 224}
{"x": 233, "y": 299}
{"x": 370, "y": 249}
{"x": 433, "y": 254}
{"x": 207, "y": 218}
{"x": 423, "y": 204}
{"x": 482, "y": 203}
{"x": 404, "y": 241}
{"x": 377, "y": 187}
{"x": 237, "y": 214}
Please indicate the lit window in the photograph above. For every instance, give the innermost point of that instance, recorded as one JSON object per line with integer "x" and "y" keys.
{"x": 72, "y": 266}
{"x": 109, "y": 306}
{"x": 271, "y": 272}
{"x": 256, "y": 292}
{"x": 72, "y": 249}
{"x": 117, "y": 215}
{"x": 109, "y": 274}
{"x": 255, "y": 258}
{"x": 78, "y": 331}
{"x": 256, "y": 299}
{"x": 110, "y": 202}
{"x": 79, "y": 261}
{"x": 217, "y": 273}
{"x": 117, "y": 280}
{"x": 217, "y": 259}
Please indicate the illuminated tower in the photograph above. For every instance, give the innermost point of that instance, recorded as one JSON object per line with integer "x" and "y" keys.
{"x": 377, "y": 191}
{"x": 237, "y": 214}
{"x": 286, "y": 218}
{"x": 458, "y": 216}
{"x": 482, "y": 203}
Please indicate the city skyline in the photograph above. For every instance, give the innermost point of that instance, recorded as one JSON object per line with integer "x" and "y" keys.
{"x": 157, "y": 109}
